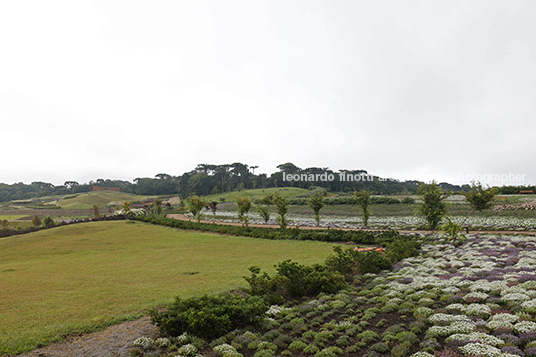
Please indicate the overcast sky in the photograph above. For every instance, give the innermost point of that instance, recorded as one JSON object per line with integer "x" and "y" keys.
{"x": 404, "y": 89}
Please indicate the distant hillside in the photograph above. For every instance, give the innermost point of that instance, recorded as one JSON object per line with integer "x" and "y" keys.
{"x": 257, "y": 193}
{"x": 101, "y": 199}
{"x": 208, "y": 179}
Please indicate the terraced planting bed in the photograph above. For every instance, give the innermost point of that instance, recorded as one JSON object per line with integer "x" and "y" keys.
{"x": 477, "y": 299}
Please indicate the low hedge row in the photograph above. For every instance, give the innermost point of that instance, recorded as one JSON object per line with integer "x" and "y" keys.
{"x": 13, "y": 232}
{"x": 324, "y": 235}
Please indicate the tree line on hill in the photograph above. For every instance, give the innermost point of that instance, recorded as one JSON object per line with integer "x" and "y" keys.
{"x": 208, "y": 179}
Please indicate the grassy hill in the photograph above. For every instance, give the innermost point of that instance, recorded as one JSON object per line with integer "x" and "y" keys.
{"x": 257, "y": 193}
{"x": 80, "y": 277}
{"x": 100, "y": 198}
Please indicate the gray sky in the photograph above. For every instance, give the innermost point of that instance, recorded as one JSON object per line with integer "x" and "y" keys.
{"x": 422, "y": 90}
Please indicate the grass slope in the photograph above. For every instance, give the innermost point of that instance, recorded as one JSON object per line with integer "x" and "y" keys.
{"x": 81, "y": 277}
{"x": 101, "y": 199}
{"x": 257, "y": 193}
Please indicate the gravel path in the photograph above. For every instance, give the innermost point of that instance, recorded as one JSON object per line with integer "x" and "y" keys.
{"x": 114, "y": 341}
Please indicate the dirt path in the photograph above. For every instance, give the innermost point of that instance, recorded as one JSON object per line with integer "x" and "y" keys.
{"x": 114, "y": 341}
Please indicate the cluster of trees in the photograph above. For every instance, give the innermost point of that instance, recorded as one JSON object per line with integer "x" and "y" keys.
{"x": 208, "y": 179}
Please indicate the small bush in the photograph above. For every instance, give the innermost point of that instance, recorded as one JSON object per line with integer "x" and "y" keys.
{"x": 311, "y": 349}
{"x": 380, "y": 347}
{"x": 210, "y": 316}
{"x": 329, "y": 352}
{"x": 401, "y": 350}
{"x": 372, "y": 262}
{"x": 297, "y": 346}
{"x": 367, "y": 336}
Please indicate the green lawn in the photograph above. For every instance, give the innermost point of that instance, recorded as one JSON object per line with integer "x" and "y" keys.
{"x": 12, "y": 217}
{"x": 81, "y": 277}
{"x": 258, "y": 193}
{"x": 100, "y": 198}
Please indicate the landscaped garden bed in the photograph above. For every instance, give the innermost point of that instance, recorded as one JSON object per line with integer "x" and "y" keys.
{"x": 477, "y": 299}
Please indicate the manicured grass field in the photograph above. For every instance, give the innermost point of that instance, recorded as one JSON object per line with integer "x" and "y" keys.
{"x": 81, "y": 277}
{"x": 258, "y": 193}
{"x": 11, "y": 217}
{"x": 100, "y": 198}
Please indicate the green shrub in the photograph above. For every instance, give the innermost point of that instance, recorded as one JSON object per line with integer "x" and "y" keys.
{"x": 401, "y": 350}
{"x": 324, "y": 235}
{"x": 210, "y": 316}
{"x": 48, "y": 222}
{"x": 407, "y": 336}
{"x": 329, "y": 352}
{"x": 380, "y": 347}
{"x": 343, "y": 341}
{"x": 271, "y": 335}
{"x": 264, "y": 353}
{"x": 381, "y": 323}
{"x": 401, "y": 248}
{"x": 311, "y": 349}
{"x": 367, "y": 336}
{"x": 294, "y": 280}
{"x": 394, "y": 329}
{"x": 417, "y": 326}
{"x": 372, "y": 262}
{"x": 264, "y": 345}
{"x": 297, "y": 345}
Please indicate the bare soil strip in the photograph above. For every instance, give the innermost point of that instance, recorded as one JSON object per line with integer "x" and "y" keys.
{"x": 114, "y": 341}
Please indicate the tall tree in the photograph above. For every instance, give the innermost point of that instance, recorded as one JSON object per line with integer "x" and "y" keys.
{"x": 316, "y": 202}
{"x": 195, "y": 206}
{"x": 281, "y": 204}
{"x": 244, "y": 205}
{"x": 433, "y": 206}
{"x": 363, "y": 200}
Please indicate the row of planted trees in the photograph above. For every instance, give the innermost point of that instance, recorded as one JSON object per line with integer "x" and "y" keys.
{"x": 433, "y": 206}
{"x": 244, "y": 203}
{"x": 281, "y": 203}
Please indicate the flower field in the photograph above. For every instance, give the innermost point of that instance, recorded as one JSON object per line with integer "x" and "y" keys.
{"x": 495, "y": 222}
{"x": 477, "y": 299}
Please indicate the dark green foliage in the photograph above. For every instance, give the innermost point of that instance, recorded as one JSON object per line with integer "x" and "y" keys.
{"x": 271, "y": 335}
{"x": 294, "y": 280}
{"x": 316, "y": 202}
{"x": 417, "y": 326}
{"x": 244, "y": 205}
{"x": 480, "y": 198}
{"x": 380, "y": 347}
{"x": 343, "y": 341}
{"x": 402, "y": 248}
{"x": 363, "y": 200}
{"x": 407, "y": 336}
{"x": 210, "y": 316}
{"x": 36, "y": 221}
{"x": 324, "y": 235}
{"x": 297, "y": 345}
{"x": 48, "y": 222}
{"x": 281, "y": 204}
{"x": 433, "y": 207}
{"x": 348, "y": 200}
{"x": 408, "y": 201}
{"x": 401, "y": 350}
{"x": 195, "y": 205}
{"x": 263, "y": 212}
{"x": 343, "y": 261}
{"x": 373, "y": 262}
{"x": 264, "y": 285}
{"x": 367, "y": 336}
